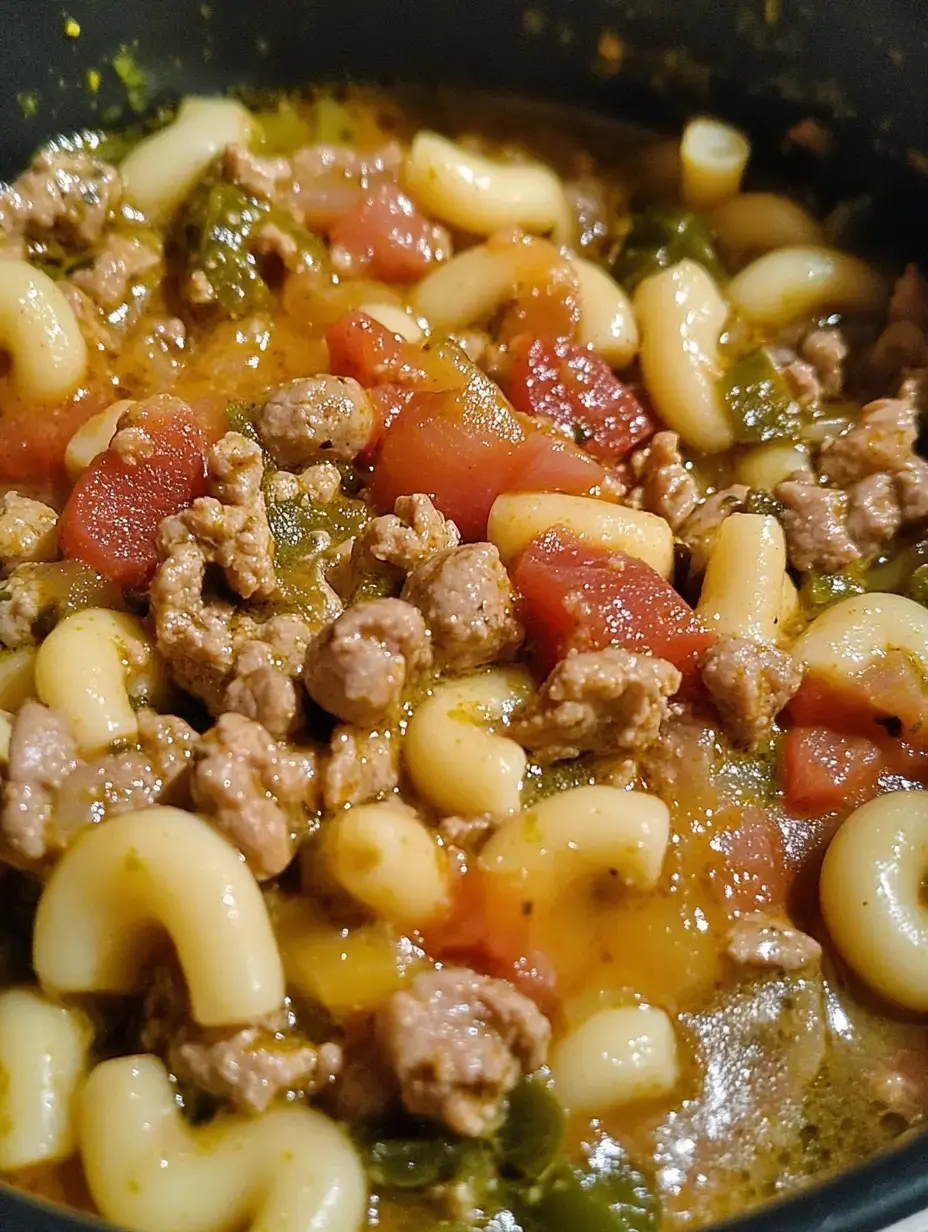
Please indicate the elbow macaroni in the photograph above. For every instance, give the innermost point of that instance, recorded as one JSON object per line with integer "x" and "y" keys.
{"x": 681, "y": 313}
{"x": 39, "y": 331}
{"x": 141, "y": 873}
{"x": 713, "y": 158}
{"x": 96, "y": 667}
{"x": 795, "y": 282}
{"x": 43, "y": 1060}
{"x": 17, "y": 677}
{"x": 742, "y": 592}
{"x": 615, "y": 1057}
{"x": 607, "y": 319}
{"x": 764, "y": 466}
{"x": 851, "y": 635}
{"x": 93, "y": 437}
{"x": 481, "y": 196}
{"x": 396, "y": 319}
{"x": 147, "y": 1169}
{"x": 453, "y": 762}
{"x": 760, "y": 222}
{"x": 163, "y": 169}
{"x": 872, "y": 898}
{"x": 516, "y": 518}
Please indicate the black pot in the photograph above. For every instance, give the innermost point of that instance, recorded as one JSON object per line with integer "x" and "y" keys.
{"x": 858, "y": 65}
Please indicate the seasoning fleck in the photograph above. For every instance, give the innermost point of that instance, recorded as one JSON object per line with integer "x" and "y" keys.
{"x": 28, "y": 104}
{"x": 92, "y": 80}
{"x": 72, "y": 28}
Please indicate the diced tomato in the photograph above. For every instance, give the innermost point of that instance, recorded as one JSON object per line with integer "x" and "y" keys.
{"x": 33, "y": 439}
{"x": 362, "y": 348}
{"x": 112, "y": 515}
{"x": 576, "y": 389}
{"x": 576, "y": 597}
{"x": 386, "y": 238}
{"x": 388, "y": 402}
{"x": 822, "y": 770}
{"x": 749, "y": 866}
{"x": 886, "y": 698}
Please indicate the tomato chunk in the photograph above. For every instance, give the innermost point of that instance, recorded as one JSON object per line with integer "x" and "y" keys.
{"x": 576, "y": 597}
{"x": 576, "y": 389}
{"x": 888, "y": 697}
{"x": 386, "y": 238}
{"x": 748, "y": 868}
{"x": 33, "y": 439}
{"x": 111, "y": 518}
{"x": 362, "y": 348}
{"x": 822, "y": 770}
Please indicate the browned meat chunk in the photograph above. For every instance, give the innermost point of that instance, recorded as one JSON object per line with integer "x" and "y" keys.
{"x": 42, "y": 754}
{"x": 909, "y": 301}
{"x": 873, "y": 514}
{"x": 267, "y": 695}
{"x": 882, "y": 440}
{"x": 602, "y": 701}
{"x": 358, "y": 666}
{"x": 361, "y": 766}
{"x": 236, "y": 469}
{"x": 458, "y": 1043}
{"x": 826, "y": 350}
{"x": 317, "y": 419}
{"x": 759, "y": 940}
{"x": 261, "y": 177}
{"x": 687, "y": 752}
{"x": 665, "y": 486}
{"x": 462, "y": 837}
{"x": 814, "y": 524}
{"x": 466, "y": 598}
{"x": 750, "y": 684}
{"x": 699, "y": 530}
{"x": 69, "y": 193}
{"x": 257, "y": 791}
{"x": 118, "y": 273}
{"x": 801, "y": 376}
{"x": 28, "y": 531}
{"x": 912, "y": 490}
{"x": 403, "y": 539}
{"x": 22, "y": 601}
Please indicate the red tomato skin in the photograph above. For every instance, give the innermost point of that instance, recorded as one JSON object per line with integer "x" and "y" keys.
{"x": 386, "y": 237}
{"x": 822, "y": 770}
{"x": 33, "y": 439}
{"x": 579, "y": 598}
{"x": 111, "y": 518}
{"x": 362, "y": 348}
{"x": 576, "y": 389}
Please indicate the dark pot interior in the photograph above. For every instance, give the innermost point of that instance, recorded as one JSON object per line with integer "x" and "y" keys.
{"x": 859, "y": 66}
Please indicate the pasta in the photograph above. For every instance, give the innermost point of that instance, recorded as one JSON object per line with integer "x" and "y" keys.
{"x": 852, "y": 635}
{"x": 801, "y": 281}
{"x": 395, "y": 319}
{"x": 388, "y": 861}
{"x": 752, "y": 223}
{"x": 39, "y": 332}
{"x": 681, "y": 313}
{"x": 92, "y": 437}
{"x": 518, "y": 517}
{"x": 765, "y": 466}
{"x": 112, "y": 668}
{"x": 713, "y": 157}
{"x": 120, "y": 884}
{"x": 607, "y": 319}
{"x": 150, "y": 1171}
{"x": 43, "y": 1059}
{"x": 871, "y": 891}
{"x": 478, "y": 195}
{"x": 160, "y": 172}
{"x": 17, "y": 677}
{"x": 615, "y": 1057}
{"x": 742, "y": 592}
{"x": 452, "y": 761}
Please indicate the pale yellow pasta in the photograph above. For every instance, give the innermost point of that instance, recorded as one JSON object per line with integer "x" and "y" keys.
{"x": 517, "y": 517}
{"x": 453, "y": 762}
{"x": 161, "y": 171}
{"x": 579, "y": 833}
{"x": 796, "y": 282}
{"x": 742, "y": 591}
{"x": 765, "y": 466}
{"x": 872, "y": 895}
{"x": 615, "y": 1057}
{"x": 290, "y": 1170}
{"x": 17, "y": 677}
{"x": 680, "y": 314}
{"x": 6, "y": 733}
{"x": 93, "y": 437}
{"x": 40, "y": 333}
{"x": 713, "y": 158}
{"x": 388, "y": 860}
{"x": 124, "y": 884}
{"x": 607, "y": 319}
{"x": 752, "y": 223}
{"x": 96, "y": 667}
{"x": 475, "y": 284}
{"x": 396, "y": 319}
{"x": 852, "y": 635}
{"x": 481, "y": 196}
{"x": 43, "y": 1060}
{"x": 789, "y": 609}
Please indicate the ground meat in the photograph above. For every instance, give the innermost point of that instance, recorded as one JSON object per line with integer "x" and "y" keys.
{"x": 267, "y": 695}
{"x": 320, "y": 484}
{"x": 912, "y": 490}
{"x": 236, "y": 469}
{"x": 801, "y": 377}
{"x": 403, "y": 539}
{"x": 117, "y": 274}
{"x": 261, "y": 177}
{"x": 467, "y": 600}
{"x": 826, "y": 350}
{"x": 367, "y": 1089}
{"x": 458, "y": 1043}
{"x": 873, "y": 515}
{"x": 759, "y": 940}
{"x": 814, "y": 523}
{"x": 699, "y": 530}
{"x": 22, "y": 601}
{"x": 42, "y": 754}
{"x": 316, "y": 419}
{"x": 687, "y": 752}
{"x": 901, "y": 347}
{"x": 358, "y": 666}
{"x": 665, "y": 486}
{"x": 256, "y": 790}
{"x": 462, "y": 837}
{"x": 71, "y": 193}
{"x": 749, "y": 683}
{"x": 601, "y": 701}
{"x": 909, "y": 302}
{"x": 28, "y": 531}
{"x": 882, "y": 440}
{"x": 361, "y": 766}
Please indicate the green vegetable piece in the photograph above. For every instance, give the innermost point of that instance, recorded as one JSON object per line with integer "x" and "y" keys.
{"x": 283, "y": 129}
{"x": 413, "y": 1163}
{"x": 533, "y": 1132}
{"x": 215, "y": 230}
{"x": 126, "y": 68}
{"x": 332, "y": 122}
{"x": 758, "y": 400}
{"x": 821, "y": 589}
{"x": 660, "y": 238}
{"x": 28, "y": 102}
{"x": 613, "y": 1198}
{"x": 240, "y": 417}
{"x": 540, "y": 780}
{"x": 375, "y": 586}
{"x": 764, "y": 503}
{"x": 917, "y": 588}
